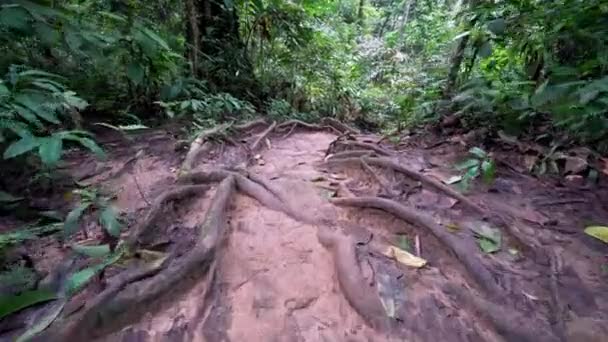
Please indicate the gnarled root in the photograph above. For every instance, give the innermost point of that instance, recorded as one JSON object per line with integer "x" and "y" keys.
{"x": 198, "y": 146}
{"x": 252, "y": 186}
{"x": 388, "y": 163}
{"x": 127, "y": 302}
{"x": 354, "y": 286}
{"x": 155, "y": 211}
{"x": 508, "y": 323}
{"x": 339, "y": 126}
{"x": 462, "y": 248}
{"x": 364, "y": 146}
{"x": 262, "y": 136}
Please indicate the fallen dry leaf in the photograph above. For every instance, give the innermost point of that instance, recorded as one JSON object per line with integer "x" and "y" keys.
{"x": 604, "y": 166}
{"x": 575, "y": 165}
{"x": 403, "y": 257}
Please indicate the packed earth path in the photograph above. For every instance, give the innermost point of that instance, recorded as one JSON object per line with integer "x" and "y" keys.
{"x": 300, "y": 232}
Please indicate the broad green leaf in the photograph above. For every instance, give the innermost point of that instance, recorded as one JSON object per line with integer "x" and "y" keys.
{"x": 478, "y": 152}
{"x": 38, "y": 73}
{"x": 158, "y": 40}
{"x": 36, "y": 107}
{"x": 93, "y": 147}
{"x": 109, "y": 220}
{"x": 21, "y": 146}
{"x": 44, "y": 322}
{"x": 3, "y": 89}
{"x": 488, "y": 171}
{"x": 15, "y": 17}
{"x": 50, "y": 150}
{"x": 485, "y": 50}
{"x": 135, "y": 72}
{"x": 5, "y": 197}
{"x": 598, "y": 232}
{"x": 467, "y": 164}
{"x": 92, "y": 251}
{"x": 488, "y": 238}
{"x": 13, "y": 303}
{"x": 70, "y": 226}
{"x": 28, "y": 115}
{"x": 79, "y": 279}
{"x": 497, "y": 26}
{"x": 48, "y": 35}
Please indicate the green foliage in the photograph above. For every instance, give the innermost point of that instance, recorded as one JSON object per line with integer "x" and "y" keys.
{"x": 480, "y": 164}
{"x": 15, "y": 237}
{"x": 538, "y": 61}
{"x": 90, "y": 199}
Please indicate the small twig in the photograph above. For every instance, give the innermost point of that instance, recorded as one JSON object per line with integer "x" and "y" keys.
{"x": 562, "y": 202}
{"x": 376, "y": 177}
{"x": 262, "y": 136}
{"x": 558, "y": 308}
{"x": 417, "y": 245}
{"x": 141, "y": 192}
{"x": 293, "y": 127}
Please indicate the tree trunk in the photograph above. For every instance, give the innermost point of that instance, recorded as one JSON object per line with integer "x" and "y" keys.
{"x": 193, "y": 36}
{"x": 404, "y": 18}
{"x": 455, "y": 63}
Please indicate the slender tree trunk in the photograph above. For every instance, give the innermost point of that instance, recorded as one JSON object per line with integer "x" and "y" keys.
{"x": 360, "y": 14}
{"x": 455, "y": 63}
{"x": 404, "y": 18}
{"x": 193, "y": 36}
{"x": 458, "y": 55}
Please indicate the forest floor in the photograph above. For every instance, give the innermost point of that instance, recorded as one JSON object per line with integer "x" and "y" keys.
{"x": 293, "y": 233}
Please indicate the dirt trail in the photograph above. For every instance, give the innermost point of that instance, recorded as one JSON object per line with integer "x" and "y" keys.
{"x": 286, "y": 245}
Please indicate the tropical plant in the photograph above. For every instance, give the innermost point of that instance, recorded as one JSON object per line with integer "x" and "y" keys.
{"x": 479, "y": 164}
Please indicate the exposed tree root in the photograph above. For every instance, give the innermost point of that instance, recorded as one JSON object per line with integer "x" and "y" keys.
{"x": 351, "y": 154}
{"x": 376, "y": 177}
{"x": 365, "y": 146}
{"x": 118, "y": 308}
{"x": 249, "y": 125}
{"x": 508, "y": 323}
{"x": 289, "y": 123}
{"x": 291, "y": 130}
{"x": 262, "y": 136}
{"x": 462, "y": 248}
{"x": 353, "y": 284}
{"x": 388, "y": 163}
{"x": 156, "y": 210}
{"x": 197, "y": 146}
{"x": 259, "y": 190}
{"x": 342, "y": 127}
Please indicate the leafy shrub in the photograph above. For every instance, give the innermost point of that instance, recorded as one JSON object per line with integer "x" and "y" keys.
{"x": 33, "y": 102}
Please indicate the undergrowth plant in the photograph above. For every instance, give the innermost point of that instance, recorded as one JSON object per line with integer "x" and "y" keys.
{"x": 479, "y": 164}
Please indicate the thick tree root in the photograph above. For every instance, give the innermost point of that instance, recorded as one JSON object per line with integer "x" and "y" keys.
{"x": 198, "y": 146}
{"x": 365, "y": 146}
{"x": 155, "y": 211}
{"x": 354, "y": 286}
{"x": 339, "y": 126}
{"x": 351, "y": 154}
{"x": 244, "y": 127}
{"x": 462, "y": 248}
{"x": 262, "y": 136}
{"x": 388, "y": 163}
{"x": 508, "y": 323}
{"x": 120, "y": 307}
{"x": 259, "y": 190}
{"x": 289, "y": 124}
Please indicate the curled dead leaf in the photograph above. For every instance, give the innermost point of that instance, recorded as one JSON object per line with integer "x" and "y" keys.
{"x": 403, "y": 257}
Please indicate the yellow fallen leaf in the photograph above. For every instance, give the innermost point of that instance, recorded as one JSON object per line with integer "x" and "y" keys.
{"x": 598, "y": 232}
{"x": 452, "y": 227}
{"x": 403, "y": 257}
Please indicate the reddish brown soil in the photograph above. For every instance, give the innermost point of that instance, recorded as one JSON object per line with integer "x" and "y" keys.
{"x": 272, "y": 279}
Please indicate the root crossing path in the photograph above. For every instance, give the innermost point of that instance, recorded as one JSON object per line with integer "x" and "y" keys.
{"x": 280, "y": 232}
